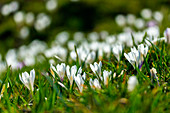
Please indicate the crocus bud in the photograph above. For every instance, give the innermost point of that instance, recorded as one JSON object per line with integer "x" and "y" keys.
{"x": 153, "y": 75}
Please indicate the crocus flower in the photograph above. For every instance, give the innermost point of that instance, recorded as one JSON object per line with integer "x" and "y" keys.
{"x": 132, "y": 82}
{"x": 117, "y": 51}
{"x": 80, "y": 81}
{"x": 71, "y": 73}
{"x": 106, "y": 75}
{"x": 28, "y": 80}
{"x": 91, "y": 57}
{"x": 143, "y": 52}
{"x": 95, "y": 83}
{"x": 153, "y": 74}
{"x": 3, "y": 90}
{"x": 136, "y": 57}
{"x": 167, "y": 35}
{"x": 96, "y": 68}
{"x": 60, "y": 70}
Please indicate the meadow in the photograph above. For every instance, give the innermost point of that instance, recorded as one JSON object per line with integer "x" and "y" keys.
{"x": 127, "y": 70}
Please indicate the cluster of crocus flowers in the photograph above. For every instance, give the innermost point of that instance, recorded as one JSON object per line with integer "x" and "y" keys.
{"x": 83, "y": 54}
{"x": 136, "y": 57}
{"x": 96, "y": 68}
{"x": 95, "y": 84}
{"x": 28, "y": 80}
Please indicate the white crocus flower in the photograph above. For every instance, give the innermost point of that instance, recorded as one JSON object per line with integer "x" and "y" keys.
{"x": 91, "y": 57}
{"x": 106, "y": 49}
{"x": 153, "y": 73}
{"x": 167, "y": 35}
{"x": 117, "y": 51}
{"x": 60, "y": 70}
{"x": 28, "y": 80}
{"x": 100, "y": 54}
{"x": 136, "y": 57}
{"x": 143, "y": 52}
{"x": 95, "y": 84}
{"x": 106, "y": 75}
{"x": 132, "y": 82}
{"x": 71, "y": 73}
{"x": 131, "y": 58}
{"x": 96, "y": 68}
{"x": 80, "y": 81}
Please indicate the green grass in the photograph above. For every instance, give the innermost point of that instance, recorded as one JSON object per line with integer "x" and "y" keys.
{"x": 147, "y": 96}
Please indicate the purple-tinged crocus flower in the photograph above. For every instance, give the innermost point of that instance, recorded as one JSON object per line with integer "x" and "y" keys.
{"x": 167, "y": 35}
{"x": 136, "y": 57}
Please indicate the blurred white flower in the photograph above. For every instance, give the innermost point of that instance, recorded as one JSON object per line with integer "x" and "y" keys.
{"x": 78, "y": 36}
{"x": 120, "y": 20}
{"x": 83, "y": 53}
{"x": 29, "y": 18}
{"x": 29, "y": 60}
{"x": 130, "y": 18}
{"x": 106, "y": 77}
{"x": 132, "y": 83}
{"x": 100, "y": 54}
{"x": 51, "y": 5}
{"x": 91, "y": 57}
{"x": 11, "y": 58}
{"x": 19, "y": 17}
{"x": 146, "y": 13}
{"x": 158, "y": 16}
{"x": 62, "y": 37}
{"x": 71, "y": 45}
{"x": 28, "y": 80}
{"x": 93, "y": 36}
{"x": 167, "y": 35}
{"x": 106, "y": 49}
{"x": 95, "y": 83}
{"x": 139, "y": 23}
{"x": 9, "y": 8}
{"x": 110, "y": 39}
{"x": 14, "y": 6}
{"x": 2, "y": 66}
{"x": 6, "y": 10}
{"x": 96, "y": 68}
{"x": 117, "y": 51}
{"x": 138, "y": 37}
{"x": 152, "y": 31}
{"x": 24, "y": 32}
{"x": 104, "y": 34}
{"x": 42, "y": 22}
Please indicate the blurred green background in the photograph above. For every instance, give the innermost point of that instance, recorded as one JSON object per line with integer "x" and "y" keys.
{"x": 72, "y": 16}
